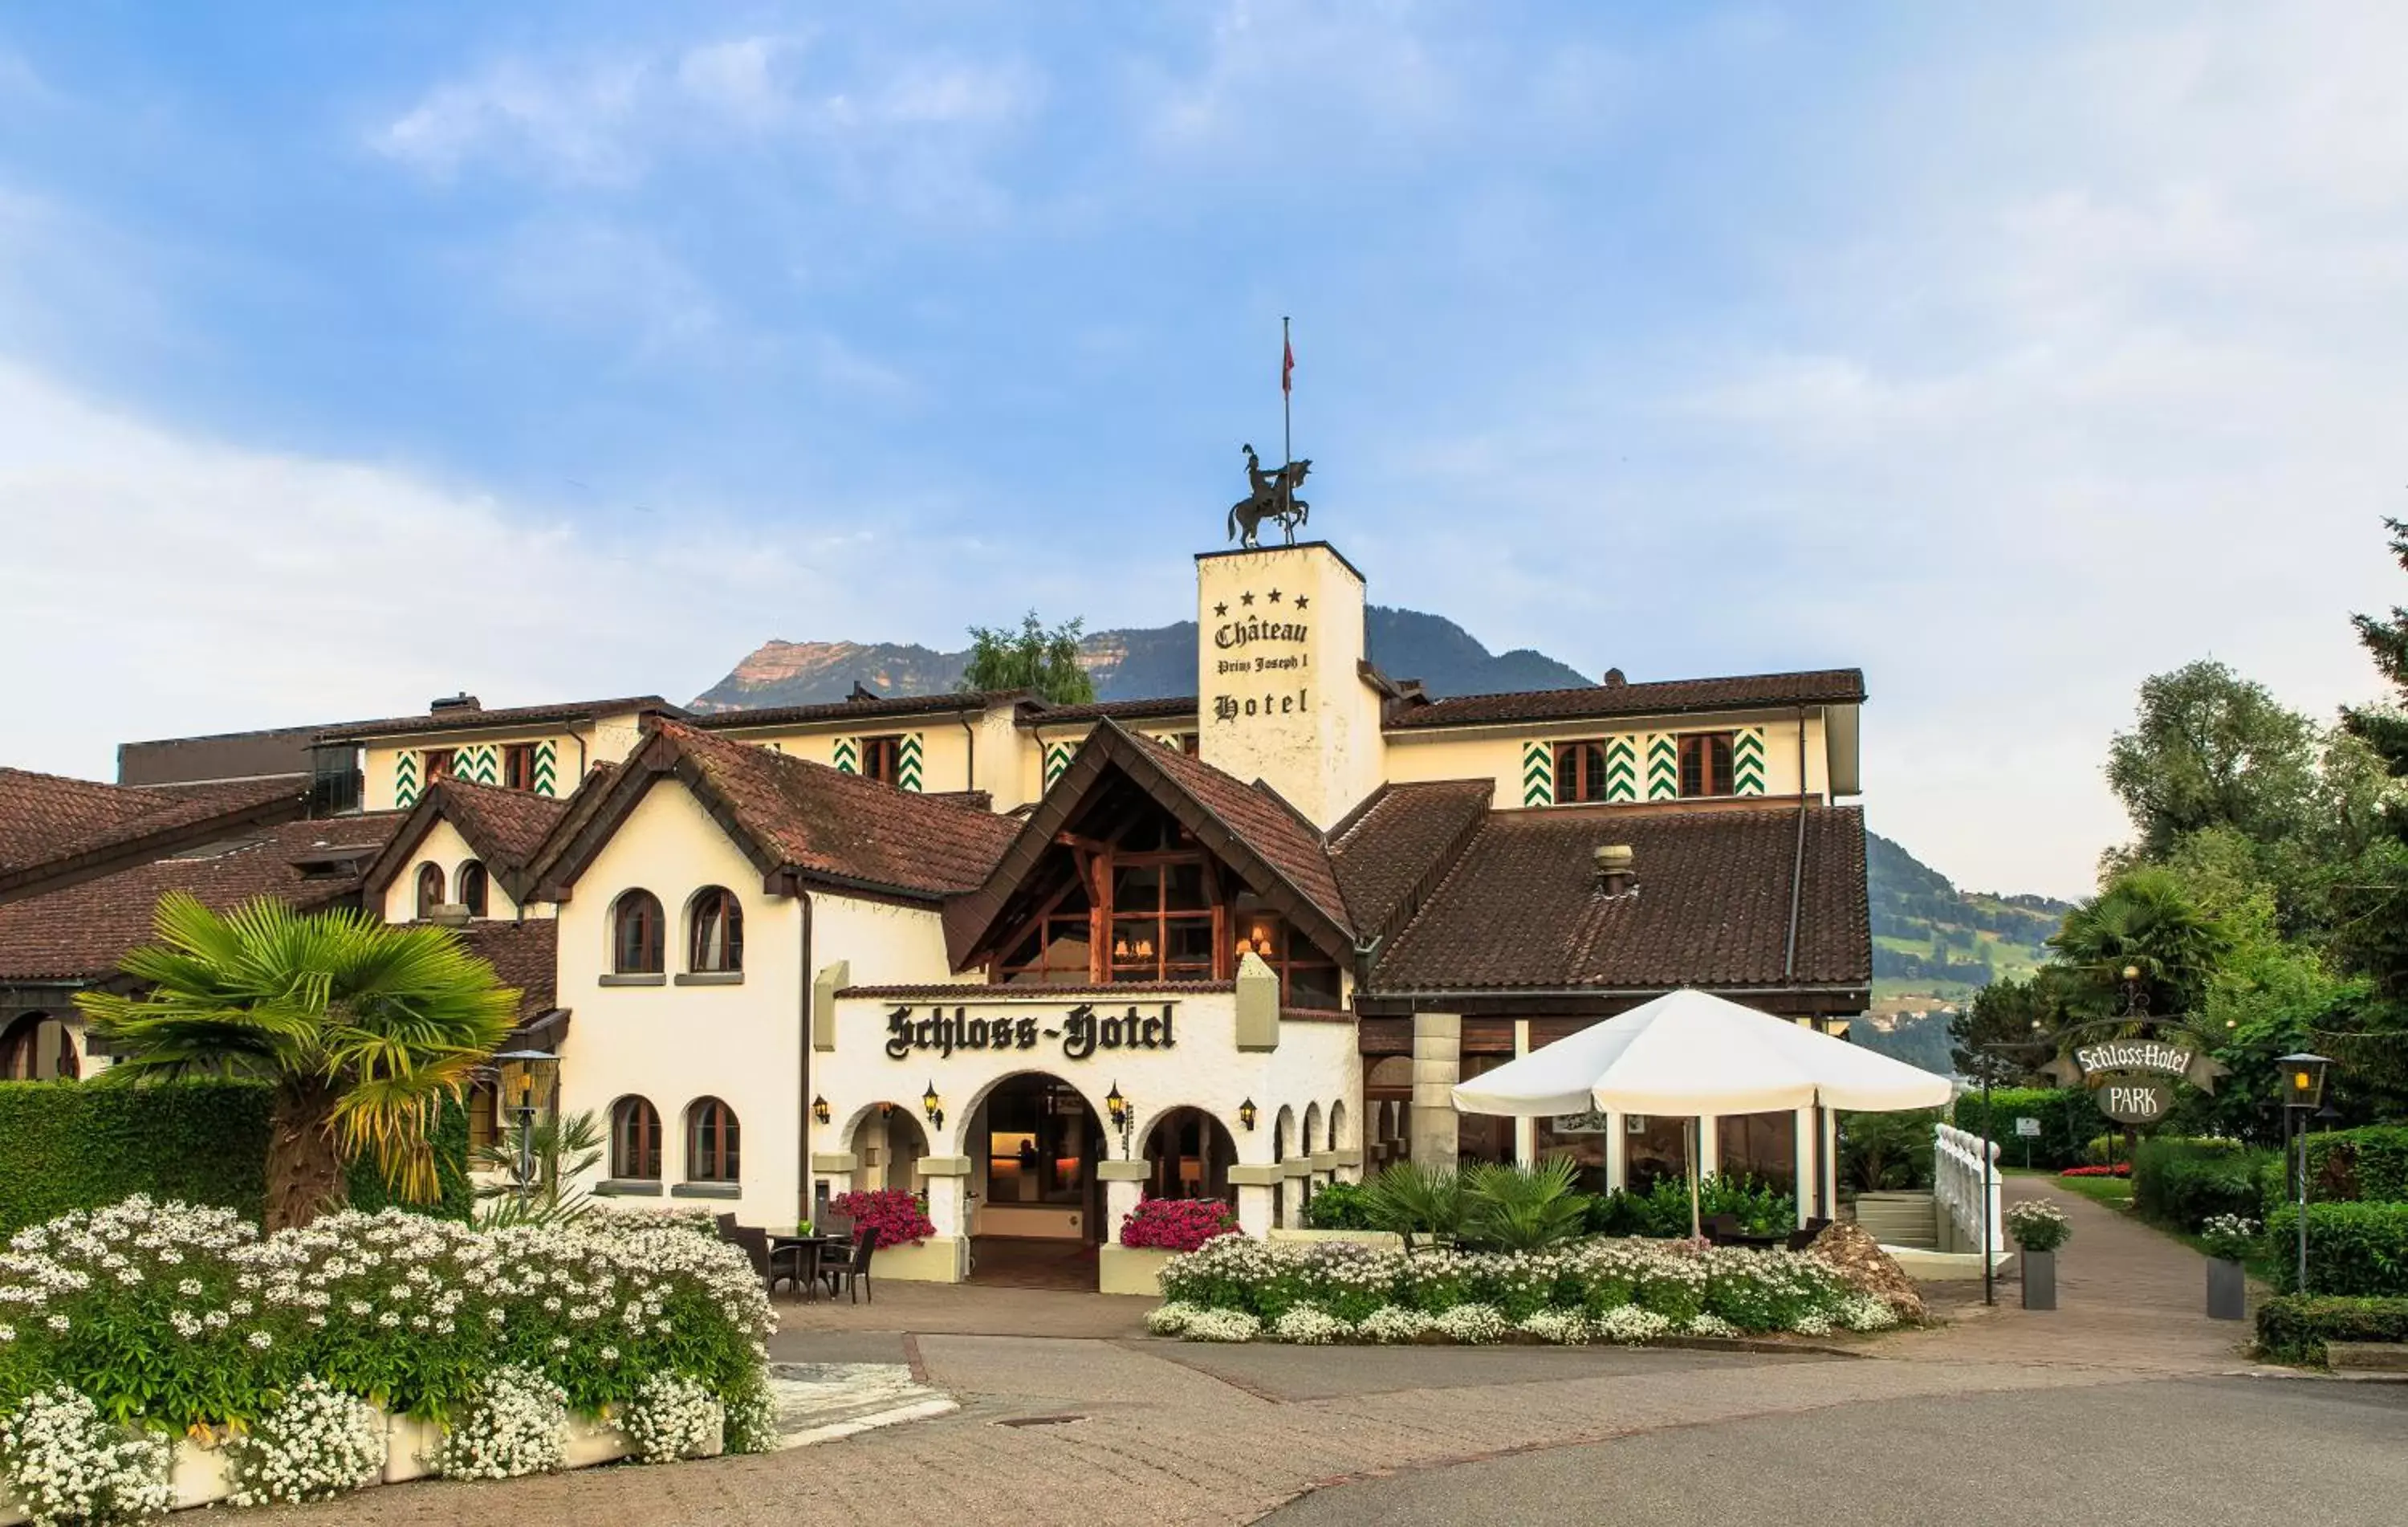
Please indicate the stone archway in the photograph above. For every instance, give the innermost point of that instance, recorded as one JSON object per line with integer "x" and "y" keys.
{"x": 1190, "y": 1152}
{"x": 1035, "y": 1207}
{"x": 38, "y": 1047}
{"x": 886, "y": 1144}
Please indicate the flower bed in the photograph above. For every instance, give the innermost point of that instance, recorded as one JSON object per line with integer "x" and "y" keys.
{"x": 1235, "y": 1288}
{"x": 166, "y": 1319}
{"x": 1176, "y": 1224}
{"x": 894, "y": 1213}
{"x": 2121, "y": 1169}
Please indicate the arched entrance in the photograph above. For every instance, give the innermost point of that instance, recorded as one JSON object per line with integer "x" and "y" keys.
{"x": 1036, "y": 1205}
{"x": 1190, "y": 1152}
{"x": 36, "y": 1047}
{"x": 887, "y": 1147}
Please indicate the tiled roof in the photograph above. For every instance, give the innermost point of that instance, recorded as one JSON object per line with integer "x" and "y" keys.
{"x": 862, "y": 710}
{"x": 478, "y": 720}
{"x": 1392, "y": 849}
{"x": 1521, "y": 909}
{"x": 1266, "y": 823}
{"x": 47, "y": 817}
{"x": 1669, "y": 696}
{"x": 1119, "y": 710}
{"x": 80, "y": 931}
{"x": 789, "y": 812}
{"x": 522, "y": 955}
{"x": 508, "y": 829}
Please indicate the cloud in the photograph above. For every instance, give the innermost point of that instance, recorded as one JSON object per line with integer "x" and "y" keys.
{"x": 566, "y": 125}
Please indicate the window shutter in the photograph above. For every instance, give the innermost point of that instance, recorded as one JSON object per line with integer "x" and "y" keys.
{"x": 1538, "y": 774}
{"x": 1621, "y": 768}
{"x": 480, "y": 765}
{"x": 848, "y": 756}
{"x": 1663, "y": 767}
{"x": 1057, "y": 760}
{"x": 547, "y": 768}
{"x": 404, "y": 780}
{"x": 1747, "y": 761}
{"x": 907, "y": 764}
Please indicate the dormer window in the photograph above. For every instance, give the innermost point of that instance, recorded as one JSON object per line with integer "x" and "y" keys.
{"x": 471, "y": 887}
{"x": 881, "y": 759}
{"x": 518, "y": 766}
{"x": 1706, "y": 763}
{"x": 438, "y": 761}
{"x": 1579, "y": 771}
{"x": 430, "y": 889}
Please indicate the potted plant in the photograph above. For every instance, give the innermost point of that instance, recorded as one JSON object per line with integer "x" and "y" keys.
{"x": 2039, "y": 1227}
{"x": 2227, "y": 1238}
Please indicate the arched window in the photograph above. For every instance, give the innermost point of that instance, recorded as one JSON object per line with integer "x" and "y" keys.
{"x": 710, "y": 1142}
{"x": 636, "y": 934}
{"x": 470, "y": 882}
{"x": 635, "y": 1140}
{"x": 430, "y": 888}
{"x": 715, "y": 926}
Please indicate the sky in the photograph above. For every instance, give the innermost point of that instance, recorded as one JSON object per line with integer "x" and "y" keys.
{"x": 351, "y": 355}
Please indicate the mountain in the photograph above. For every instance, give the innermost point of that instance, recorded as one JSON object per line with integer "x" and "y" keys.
{"x": 1934, "y": 942}
{"x": 1133, "y": 664}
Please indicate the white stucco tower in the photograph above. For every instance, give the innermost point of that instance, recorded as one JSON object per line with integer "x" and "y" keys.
{"x": 1281, "y": 695}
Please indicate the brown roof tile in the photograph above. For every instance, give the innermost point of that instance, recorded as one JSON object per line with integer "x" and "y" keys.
{"x": 508, "y": 829}
{"x": 1521, "y": 909}
{"x": 883, "y": 707}
{"x": 1269, "y": 825}
{"x": 1391, "y": 850}
{"x": 478, "y": 720}
{"x": 524, "y": 954}
{"x": 80, "y": 931}
{"x": 1668, "y": 697}
{"x": 1169, "y": 709}
{"x": 45, "y": 818}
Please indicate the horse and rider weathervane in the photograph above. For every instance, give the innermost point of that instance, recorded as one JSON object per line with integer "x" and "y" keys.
{"x": 1271, "y": 494}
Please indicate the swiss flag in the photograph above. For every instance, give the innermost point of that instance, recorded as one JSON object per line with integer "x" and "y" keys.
{"x": 1287, "y": 366}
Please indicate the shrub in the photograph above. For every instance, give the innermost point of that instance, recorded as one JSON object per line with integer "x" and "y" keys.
{"x": 1633, "y": 1326}
{"x": 672, "y": 1418}
{"x": 2352, "y": 1249}
{"x": 1309, "y": 1327}
{"x": 1223, "y": 1326}
{"x": 2121, "y": 1169}
{"x": 2038, "y": 1225}
{"x": 317, "y": 1443}
{"x": 516, "y": 1423}
{"x": 1563, "y": 1328}
{"x": 2183, "y": 1183}
{"x": 1340, "y": 1205}
{"x": 2294, "y": 1328}
{"x": 2368, "y": 1164}
{"x": 1515, "y": 1208}
{"x": 1887, "y": 1151}
{"x": 1170, "y": 1319}
{"x": 896, "y": 1214}
{"x": 66, "y": 1463}
{"x": 1663, "y": 1210}
{"x": 2067, "y": 1119}
{"x": 1472, "y": 1325}
{"x": 1411, "y": 1199}
{"x": 1176, "y": 1224}
{"x": 1394, "y": 1324}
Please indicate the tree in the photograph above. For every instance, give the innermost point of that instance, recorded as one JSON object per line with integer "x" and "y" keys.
{"x": 2211, "y": 749}
{"x": 2145, "y": 921}
{"x": 2384, "y": 727}
{"x": 1032, "y": 658}
{"x": 364, "y": 1027}
{"x": 2013, "y": 1019}
{"x": 534, "y": 1168}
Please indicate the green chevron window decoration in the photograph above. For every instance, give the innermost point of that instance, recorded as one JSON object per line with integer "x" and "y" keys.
{"x": 907, "y": 763}
{"x": 1663, "y": 767}
{"x": 547, "y": 768}
{"x": 1621, "y": 769}
{"x": 1747, "y": 762}
{"x": 848, "y": 756}
{"x": 404, "y": 780}
{"x": 1057, "y": 760}
{"x": 480, "y": 765}
{"x": 1538, "y": 774}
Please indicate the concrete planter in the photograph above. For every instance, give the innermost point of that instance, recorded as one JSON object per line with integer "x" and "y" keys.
{"x": 409, "y": 1442}
{"x": 592, "y": 1440}
{"x": 2040, "y": 1280}
{"x": 940, "y": 1259}
{"x": 1131, "y": 1270}
{"x": 2228, "y": 1290}
{"x": 200, "y": 1476}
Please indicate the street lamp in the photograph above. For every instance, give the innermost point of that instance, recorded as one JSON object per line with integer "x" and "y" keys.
{"x": 526, "y": 1063}
{"x": 2303, "y": 1095}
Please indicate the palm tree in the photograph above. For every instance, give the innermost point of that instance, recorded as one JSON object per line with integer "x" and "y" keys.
{"x": 364, "y": 1027}
{"x": 534, "y": 1166}
{"x": 2145, "y": 922}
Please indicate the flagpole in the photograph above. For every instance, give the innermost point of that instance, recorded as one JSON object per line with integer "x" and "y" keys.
{"x": 1287, "y": 420}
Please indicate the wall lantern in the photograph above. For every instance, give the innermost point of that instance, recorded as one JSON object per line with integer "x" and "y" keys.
{"x": 1246, "y": 1114}
{"x": 1117, "y": 1106}
{"x": 820, "y": 1109}
{"x": 2303, "y": 1079}
{"x": 933, "y": 1105}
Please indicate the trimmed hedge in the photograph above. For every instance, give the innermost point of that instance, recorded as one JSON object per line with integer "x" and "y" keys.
{"x": 2295, "y": 1329}
{"x": 2185, "y": 1183}
{"x": 86, "y": 1144}
{"x": 2352, "y": 1249}
{"x": 2068, "y": 1119}
{"x": 2365, "y": 1165}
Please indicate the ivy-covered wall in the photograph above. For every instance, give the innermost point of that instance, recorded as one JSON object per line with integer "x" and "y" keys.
{"x": 80, "y": 1144}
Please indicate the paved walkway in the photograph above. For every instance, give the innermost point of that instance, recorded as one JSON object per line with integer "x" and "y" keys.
{"x": 1071, "y": 1415}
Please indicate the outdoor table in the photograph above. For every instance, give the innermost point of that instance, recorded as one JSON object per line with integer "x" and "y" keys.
{"x": 807, "y": 1249}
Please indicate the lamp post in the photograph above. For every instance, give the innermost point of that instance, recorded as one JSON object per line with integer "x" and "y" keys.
{"x": 2303, "y": 1094}
{"x": 527, "y": 1061}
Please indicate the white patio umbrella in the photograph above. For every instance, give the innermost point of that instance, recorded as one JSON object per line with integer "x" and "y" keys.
{"x": 1689, "y": 1053}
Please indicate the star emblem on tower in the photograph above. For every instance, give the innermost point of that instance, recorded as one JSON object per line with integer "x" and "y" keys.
{"x": 1301, "y": 602}
{"x": 1275, "y": 595}
{"x": 1220, "y": 610}
{"x": 1247, "y": 597}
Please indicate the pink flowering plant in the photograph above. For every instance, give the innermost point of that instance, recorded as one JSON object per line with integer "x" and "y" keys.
{"x": 1176, "y": 1224}
{"x": 893, "y": 1213}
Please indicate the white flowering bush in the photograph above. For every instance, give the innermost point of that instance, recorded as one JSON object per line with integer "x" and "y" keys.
{"x": 1813, "y": 1325}
{"x": 1394, "y": 1324}
{"x": 1474, "y": 1325}
{"x": 1223, "y": 1326}
{"x": 1633, "y": 1326}
{"x": 1170, "y": 1319}
{"x": 752, "y": 1425}
{"x": 1307, "y": 1326}
{"x": 68, "y": 1463}
{"x": 1866, "y": 1312}
{"x": 516, "y": 1424}
{"x": 313, "y": 1444}
{"x": 1371, "y": 1288}
{"x": 1711, "y": 1325}
{"x": 672, "y": 1418}
{"x": 1560, "y": 1328}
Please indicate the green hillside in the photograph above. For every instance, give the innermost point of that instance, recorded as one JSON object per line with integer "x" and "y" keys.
{"x": 1932, "y": 940}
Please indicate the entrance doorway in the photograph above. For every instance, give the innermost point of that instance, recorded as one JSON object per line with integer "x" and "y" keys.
{"x": 1037, "y": 1206}
{"x": 1190, "y": 1153}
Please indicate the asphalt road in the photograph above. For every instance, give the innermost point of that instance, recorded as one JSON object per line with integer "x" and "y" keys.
{"x": 2250, "y": 1452}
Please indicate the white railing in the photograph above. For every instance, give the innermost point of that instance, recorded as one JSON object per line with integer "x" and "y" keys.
{"x": 1956, "y": 1192}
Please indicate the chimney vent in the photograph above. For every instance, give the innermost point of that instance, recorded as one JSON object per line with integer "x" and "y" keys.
{"x": 1613, "y": 679}
{"x": 448, "y": 913}
{"x": 1617, "y": 869}
{"x": 461, "y": 702}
